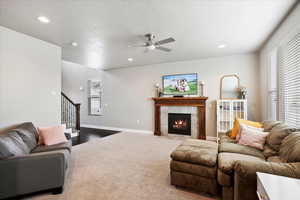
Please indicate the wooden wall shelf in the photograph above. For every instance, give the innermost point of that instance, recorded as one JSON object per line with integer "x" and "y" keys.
{"x": 199, "y": 102}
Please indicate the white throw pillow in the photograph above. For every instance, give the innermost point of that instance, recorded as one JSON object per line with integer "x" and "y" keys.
{"x": 252, "y": 137}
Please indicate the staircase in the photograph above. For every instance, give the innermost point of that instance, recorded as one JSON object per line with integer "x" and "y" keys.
{"x": 70, "y": 115}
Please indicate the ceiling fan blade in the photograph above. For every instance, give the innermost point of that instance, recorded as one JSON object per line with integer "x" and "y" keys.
{"x": 163, "y": 48}
{"x": 168, "y": 40}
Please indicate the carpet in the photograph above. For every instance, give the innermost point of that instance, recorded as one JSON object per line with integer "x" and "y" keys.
{"x": 124, "y": 166}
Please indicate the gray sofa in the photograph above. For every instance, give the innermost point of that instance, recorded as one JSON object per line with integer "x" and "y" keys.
{"x": 26, "y": 167}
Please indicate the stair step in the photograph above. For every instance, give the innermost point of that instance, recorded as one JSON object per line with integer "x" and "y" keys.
{"x": 74, "y": 134}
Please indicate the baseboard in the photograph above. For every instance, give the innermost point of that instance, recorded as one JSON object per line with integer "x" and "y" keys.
{"x": 211, "y": 138}
{"x": 117, "y": 129}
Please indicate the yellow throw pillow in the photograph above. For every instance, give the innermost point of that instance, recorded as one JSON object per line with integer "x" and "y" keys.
{"x": 236, "y": 126}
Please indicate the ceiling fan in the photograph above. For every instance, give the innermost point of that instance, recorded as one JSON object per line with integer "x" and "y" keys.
{"x": 151, "y": 44}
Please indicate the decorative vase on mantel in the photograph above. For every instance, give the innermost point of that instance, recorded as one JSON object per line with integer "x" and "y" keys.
{"x": 201, "y": 88}
{"x": 158, "y": 90}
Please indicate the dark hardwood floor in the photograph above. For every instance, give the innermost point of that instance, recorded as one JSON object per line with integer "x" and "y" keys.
{"x": 87, "y": 134}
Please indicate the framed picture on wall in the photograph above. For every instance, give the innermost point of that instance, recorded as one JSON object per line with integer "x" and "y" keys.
{"x": 95, "y": 97}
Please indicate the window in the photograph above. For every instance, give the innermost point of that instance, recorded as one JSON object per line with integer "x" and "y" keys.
{"x": 272, "y": 86}
{"x": 289, "y": 82}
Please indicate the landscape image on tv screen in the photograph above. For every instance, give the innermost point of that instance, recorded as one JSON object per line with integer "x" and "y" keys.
{"x": 180, "y": 84}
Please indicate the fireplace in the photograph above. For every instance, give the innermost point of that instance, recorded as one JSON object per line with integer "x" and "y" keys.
{"x": 179, "y": 123}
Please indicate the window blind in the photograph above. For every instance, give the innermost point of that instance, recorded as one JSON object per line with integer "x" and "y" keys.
{"x": 289, "y": 82}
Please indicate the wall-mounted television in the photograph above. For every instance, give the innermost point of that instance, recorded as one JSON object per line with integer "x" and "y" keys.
{"x": 180, "y": 84}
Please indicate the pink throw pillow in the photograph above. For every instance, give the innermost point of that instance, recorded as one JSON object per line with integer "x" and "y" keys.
{"x": 253, "y": 138}
{"x": 52, "y": 135}
{"x": 238, "y": 136}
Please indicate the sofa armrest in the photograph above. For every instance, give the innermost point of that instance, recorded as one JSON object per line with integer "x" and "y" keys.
{"x": 248, "y": 169}
{"x": 31, "y": 173}
{"x": 245, "y": 176}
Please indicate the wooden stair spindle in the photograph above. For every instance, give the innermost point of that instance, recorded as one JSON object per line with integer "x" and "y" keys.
{"x": 70, "y": 113}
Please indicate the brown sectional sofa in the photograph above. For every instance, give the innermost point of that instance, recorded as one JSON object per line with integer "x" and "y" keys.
{"x": 194, "y": 165}
{"x": 236, "y": 165}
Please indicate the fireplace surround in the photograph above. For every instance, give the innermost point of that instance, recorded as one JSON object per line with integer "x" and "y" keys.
{"x": 198, "y": 102}
{"x": 179, "y": 123}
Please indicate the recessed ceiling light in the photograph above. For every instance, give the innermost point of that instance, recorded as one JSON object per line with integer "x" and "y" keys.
{"x": 151, "y": 47}
{"x": 221, "y": 46}
{"x": 74, "y": 44}
{"x": 130, "y": 59}
{"x": 43, "y": 19}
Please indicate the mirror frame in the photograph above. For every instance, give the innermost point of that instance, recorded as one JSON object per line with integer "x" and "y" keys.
{"x": 221, "y": 84}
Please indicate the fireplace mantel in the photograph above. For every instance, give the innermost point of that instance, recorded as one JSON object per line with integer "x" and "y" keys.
{"x": 198, "y": 102}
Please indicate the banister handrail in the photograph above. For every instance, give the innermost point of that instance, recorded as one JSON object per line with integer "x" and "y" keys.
{"x": 64, "y": 95}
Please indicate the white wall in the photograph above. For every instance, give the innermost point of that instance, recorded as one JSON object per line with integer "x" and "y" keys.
{"x": 288, "y": 29}
{"x": 128, "y": 91}
{"x": 30, "y": 80}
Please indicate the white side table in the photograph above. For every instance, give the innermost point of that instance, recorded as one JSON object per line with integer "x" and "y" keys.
{"x": 273, "y": 187}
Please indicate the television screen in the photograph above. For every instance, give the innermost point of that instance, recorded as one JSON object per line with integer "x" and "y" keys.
{"x": 180, "y": 84}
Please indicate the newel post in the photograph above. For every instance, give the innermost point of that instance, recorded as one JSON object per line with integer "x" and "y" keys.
{"x": 77, "y": 116}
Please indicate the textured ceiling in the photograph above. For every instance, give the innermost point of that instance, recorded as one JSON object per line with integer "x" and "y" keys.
{"x": 103, "y": 29}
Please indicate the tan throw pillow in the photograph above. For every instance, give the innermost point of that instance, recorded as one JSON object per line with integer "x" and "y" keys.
{"x": 269, "y": 124}
{"x": 52, "y": 135}
{"x": 290, "y": 148}
{"x": 277, "y": 134}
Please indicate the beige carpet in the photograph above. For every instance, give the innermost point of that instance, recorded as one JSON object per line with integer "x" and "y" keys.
{"x": 125, "y": 166}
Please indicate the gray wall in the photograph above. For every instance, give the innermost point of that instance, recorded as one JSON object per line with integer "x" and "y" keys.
{"x": 75, "y": 76}
{"x": 128, "y": 91}
{"x": 30, "y": 80}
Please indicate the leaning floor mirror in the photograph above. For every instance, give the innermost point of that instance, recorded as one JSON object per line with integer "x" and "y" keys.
{"x": 229, "y": 87}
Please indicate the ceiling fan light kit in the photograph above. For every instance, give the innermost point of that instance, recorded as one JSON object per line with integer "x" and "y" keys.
{"x": 151, "y": 47}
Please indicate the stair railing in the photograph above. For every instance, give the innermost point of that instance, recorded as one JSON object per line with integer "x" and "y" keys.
{"x": 70, "y": 113}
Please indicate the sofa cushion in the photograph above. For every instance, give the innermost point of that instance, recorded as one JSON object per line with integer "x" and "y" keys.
{"x": 290, "y": 148}
{"x": 226, "y": 161}
{"x": 197, "y": 152}
{"x": 277, "y": 134}
{"x": 227, "y": 139}
{"x": 195, "y": 169}
{"x": 241, "y": 149}
{"x": 275, "y": 159}
{"x": 28, "y": 133}
{"x": 269, "y": 124}
{"x": 44, "y": 148}
{"x": 11, "y": 144}
{"x": 268, "y": 151}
